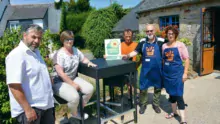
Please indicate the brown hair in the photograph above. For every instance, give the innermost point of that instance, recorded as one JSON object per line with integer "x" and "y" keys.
{"x": 174, "y": 29}
{"x": 127, "y": 30}
{"x": 66, "y": 35}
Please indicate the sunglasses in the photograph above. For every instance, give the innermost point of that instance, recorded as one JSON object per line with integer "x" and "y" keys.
{"x": 149, "y": 31}
{"x": 69, "y": 40}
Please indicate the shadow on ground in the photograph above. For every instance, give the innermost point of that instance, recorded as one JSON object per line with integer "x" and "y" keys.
{"x": 91, "y": 110}
{"x": 218, "y": 77}
{"x": 164, "y": 104}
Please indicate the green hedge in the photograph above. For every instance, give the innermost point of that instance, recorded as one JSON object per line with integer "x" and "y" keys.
{"x": 98, "y": 27}
{"x": 7, "y": 43}
{"x": 75, "y": 22}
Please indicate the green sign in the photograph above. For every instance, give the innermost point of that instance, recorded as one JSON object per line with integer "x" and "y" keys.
{"x": 113, "y": 49}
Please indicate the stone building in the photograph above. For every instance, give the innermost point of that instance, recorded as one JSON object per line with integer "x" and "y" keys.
{"x": 198, "y": 20}
{"x": 129, "y": 21}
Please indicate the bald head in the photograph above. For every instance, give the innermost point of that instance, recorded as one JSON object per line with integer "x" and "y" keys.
{"x": 150, "y": 27}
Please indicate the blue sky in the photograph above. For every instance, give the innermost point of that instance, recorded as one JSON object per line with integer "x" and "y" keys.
{"x": 94, "y": 3}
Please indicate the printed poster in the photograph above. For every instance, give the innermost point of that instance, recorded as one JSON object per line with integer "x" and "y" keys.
{"x": 113, "y": 49}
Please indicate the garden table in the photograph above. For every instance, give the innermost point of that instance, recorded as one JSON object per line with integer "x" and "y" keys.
{"x": 106, "y": 69}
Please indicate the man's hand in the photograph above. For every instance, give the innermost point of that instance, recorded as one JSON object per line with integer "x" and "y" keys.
{"x": 184, "y": 77}
{"x": 30, "y": 115}
{"x": 76, "y": 86}
{"x": 125, "y": 56}
{"x": 19, "y": 95}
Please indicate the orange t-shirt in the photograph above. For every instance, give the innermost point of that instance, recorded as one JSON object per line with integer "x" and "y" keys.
{"x": 126, "y": 49}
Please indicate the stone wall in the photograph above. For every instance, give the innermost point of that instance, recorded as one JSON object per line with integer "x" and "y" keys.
{"x": 190, "y": 19}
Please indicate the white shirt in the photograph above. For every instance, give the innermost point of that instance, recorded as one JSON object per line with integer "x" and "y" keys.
{"x": 27, "y": 68}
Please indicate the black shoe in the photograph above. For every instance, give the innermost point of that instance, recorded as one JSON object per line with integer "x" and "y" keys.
{"x": 156, "y": 109}
{"x": 142, "y": 109}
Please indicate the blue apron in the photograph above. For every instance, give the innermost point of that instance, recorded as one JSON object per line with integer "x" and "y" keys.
{"x": 173, "y": 72}
{"x": 151, "y": 66}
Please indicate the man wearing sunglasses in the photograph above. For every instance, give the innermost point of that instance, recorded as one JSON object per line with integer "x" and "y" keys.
{"x": 151, "y": 75}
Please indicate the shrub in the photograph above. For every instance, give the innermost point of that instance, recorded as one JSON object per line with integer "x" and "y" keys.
{"x": 98, "y": 27}
{"x": 55, "y": 38}
{"x": 74, "y": 22}
{"x": 186, "y": 41}
{"x": 139, "y": 36}
{"x": 7, "y": 42}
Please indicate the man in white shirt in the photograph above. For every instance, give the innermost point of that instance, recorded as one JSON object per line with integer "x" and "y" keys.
{"x": 30, "y": 88}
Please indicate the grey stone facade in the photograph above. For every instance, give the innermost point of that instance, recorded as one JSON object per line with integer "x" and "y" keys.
{"x": 190, "y": 24}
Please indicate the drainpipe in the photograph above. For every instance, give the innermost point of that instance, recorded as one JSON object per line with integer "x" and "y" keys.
{"x": 201, "y": 42}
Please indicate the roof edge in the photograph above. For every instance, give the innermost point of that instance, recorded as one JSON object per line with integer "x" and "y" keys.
{"x": 168, "y": 6}
{"x": 31, "y": 4}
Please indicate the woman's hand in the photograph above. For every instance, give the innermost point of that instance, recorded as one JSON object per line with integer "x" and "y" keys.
{"x": 184, "y": 77}
{"x": 90, "y": 64}
{"x": 104, "y": 56}
{"x": 76, "y": 86}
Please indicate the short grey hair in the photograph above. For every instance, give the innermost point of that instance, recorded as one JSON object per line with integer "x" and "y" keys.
{"x": 33, "y": 27}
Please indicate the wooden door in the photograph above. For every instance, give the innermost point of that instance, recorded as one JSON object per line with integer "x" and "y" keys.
{"x": 207, "y": 41}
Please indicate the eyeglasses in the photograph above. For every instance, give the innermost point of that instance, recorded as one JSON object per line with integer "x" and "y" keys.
{"x": 69, "y": 40}
{"x": 170, "y": 34}
{"x": 149, "y": 31}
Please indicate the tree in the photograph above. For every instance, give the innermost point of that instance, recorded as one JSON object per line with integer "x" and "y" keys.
{"x": 98, "y": 27}
{"x": 83, "y": 5}
{"x": 72, "y": 6}
{"x": 63, "y": 18}
{"x": 58, "y": 4}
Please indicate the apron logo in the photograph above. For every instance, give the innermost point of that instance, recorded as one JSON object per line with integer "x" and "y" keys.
{"x": 150, "y": 51}
{"x": 169, "y": 55}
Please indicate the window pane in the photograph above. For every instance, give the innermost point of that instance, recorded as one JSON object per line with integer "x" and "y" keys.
{"x": 177, "y": 19}
{"x": 173, "y": 19}
{"x": 169, "y": 20}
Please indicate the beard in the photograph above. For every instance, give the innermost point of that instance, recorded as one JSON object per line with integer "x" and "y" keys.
{"x": 150, "y": 36}
{"x": 32, "y": 48}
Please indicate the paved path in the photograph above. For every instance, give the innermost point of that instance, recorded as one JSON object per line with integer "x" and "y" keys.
{"x": 203, "y": 98}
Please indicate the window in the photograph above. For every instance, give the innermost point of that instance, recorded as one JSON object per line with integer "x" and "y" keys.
{"x": 13, "y": 24}
{"x": 169, "y": 20}
{"x": 38, "y": 22}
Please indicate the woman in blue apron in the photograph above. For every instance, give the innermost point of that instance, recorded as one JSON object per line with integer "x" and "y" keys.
{"x": 174, "y": 72}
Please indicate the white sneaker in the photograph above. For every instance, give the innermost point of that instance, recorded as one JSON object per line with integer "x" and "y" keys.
{"x": 86, "y": 116}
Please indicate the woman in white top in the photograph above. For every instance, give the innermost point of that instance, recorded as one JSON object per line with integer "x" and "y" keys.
{"x": 66, "y": 82}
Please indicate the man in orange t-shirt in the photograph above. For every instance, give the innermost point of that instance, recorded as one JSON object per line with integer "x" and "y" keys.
{"x": 128, "y": 45}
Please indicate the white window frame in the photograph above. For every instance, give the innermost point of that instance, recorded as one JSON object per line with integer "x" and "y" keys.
{"x": 38, "y": 22}
{"x": 13, "y": 24}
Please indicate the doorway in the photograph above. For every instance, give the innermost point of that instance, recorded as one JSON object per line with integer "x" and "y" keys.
{"x": 217, "y": 39}
{"x": 210, "y": 40}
